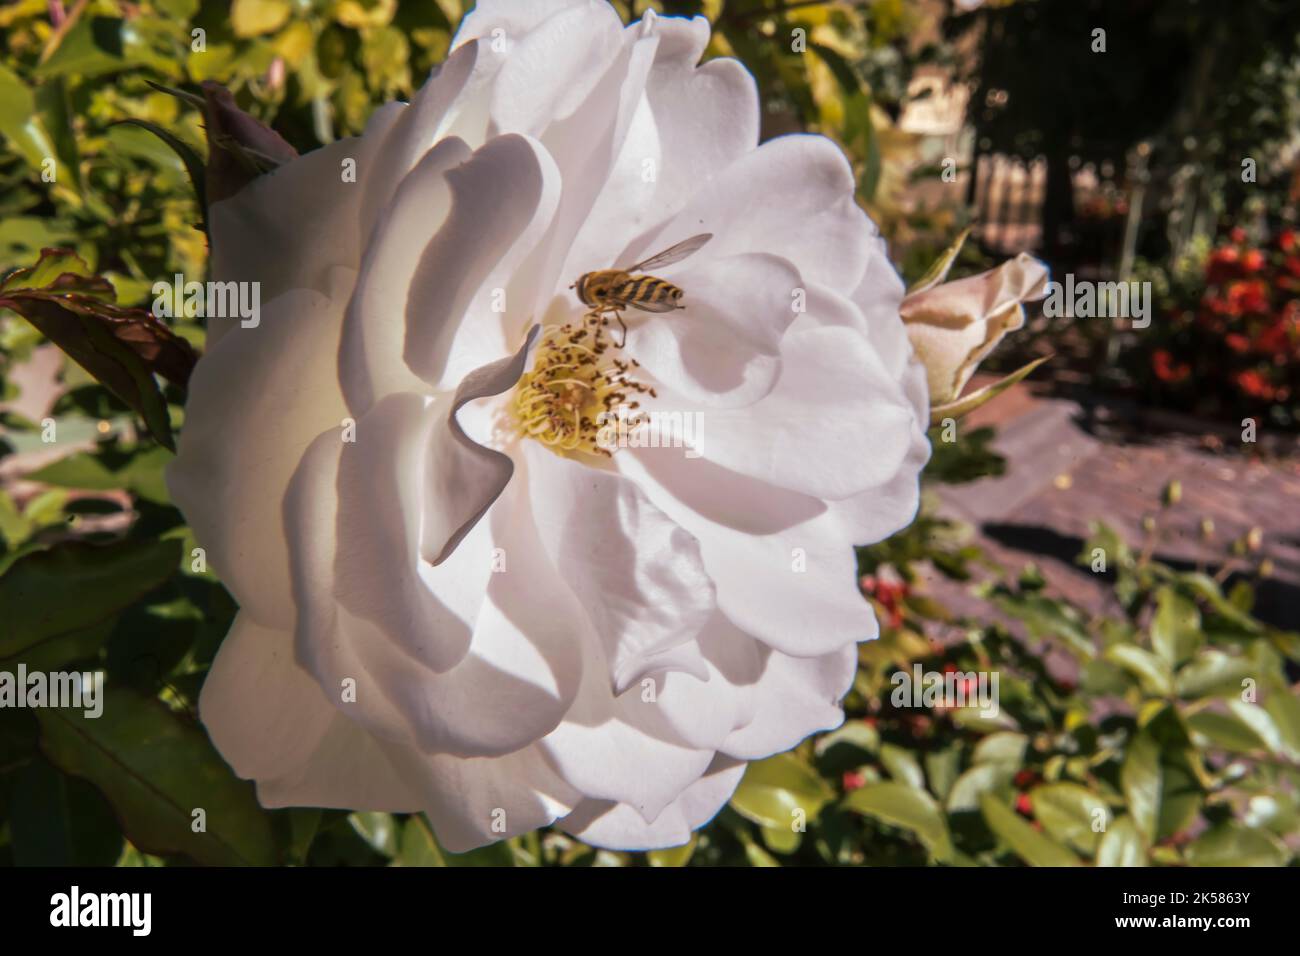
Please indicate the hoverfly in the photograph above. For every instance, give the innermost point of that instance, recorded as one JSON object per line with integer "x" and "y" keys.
{"x": 612, "y": 290}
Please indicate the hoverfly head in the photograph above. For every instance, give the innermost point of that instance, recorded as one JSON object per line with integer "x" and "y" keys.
{"x": 581, "y": 287}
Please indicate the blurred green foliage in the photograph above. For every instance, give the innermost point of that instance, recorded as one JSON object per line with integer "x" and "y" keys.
{"x": 1151, "y": 735}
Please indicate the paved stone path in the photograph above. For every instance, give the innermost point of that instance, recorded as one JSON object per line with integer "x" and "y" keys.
{"x": 1062, "y": 472}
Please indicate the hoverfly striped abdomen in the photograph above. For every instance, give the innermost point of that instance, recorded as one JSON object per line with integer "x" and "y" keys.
{"x": 648, "y": 293}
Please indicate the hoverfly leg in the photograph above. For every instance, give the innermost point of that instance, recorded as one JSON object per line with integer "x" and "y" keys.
{"x": 623, "y": 326}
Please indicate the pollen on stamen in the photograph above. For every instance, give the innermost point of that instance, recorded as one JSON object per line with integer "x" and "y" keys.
{"x": 575, "y": 386}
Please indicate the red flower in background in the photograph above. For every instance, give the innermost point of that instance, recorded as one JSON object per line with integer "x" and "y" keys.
{"x": 1166, "y": 369}
{"x": 1280, "y": 338}
{"x": 1239, "y": 331}
{"x": 1249, "y": 296}
{"x": 1025, "y": 779}
{"x": 1255, "y": 385}
{"x": 889, "y": 592}
{"x": 1224, "y": 264}
{"x": 1237, "y": 342}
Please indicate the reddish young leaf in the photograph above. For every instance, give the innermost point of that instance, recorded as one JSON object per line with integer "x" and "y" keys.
{"x": 122, "y": 348}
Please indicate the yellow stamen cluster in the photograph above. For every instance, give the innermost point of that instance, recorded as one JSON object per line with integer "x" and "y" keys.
{"x": 575, "y": 388}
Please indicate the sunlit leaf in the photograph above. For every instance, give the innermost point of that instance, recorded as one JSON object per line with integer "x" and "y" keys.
{"x": 904, "y": 806}
{"x": 1023, "y": 840}
{"x": 775, "y": 792}
{"x": 1141, "y": 781}
{"x": 1232, "y": 844}
{"x": 1121, "y": 845}
{"x": 1072, "y": 814}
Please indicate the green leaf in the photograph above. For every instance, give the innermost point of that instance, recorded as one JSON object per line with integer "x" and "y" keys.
{"x": 979, "y": 780}
{"x": 972, "y": 718}
{"x": 900, "y": 805}
{"x": 1071, "y": 814}
{"x": 839, "y": 67}
{"x": 943, "y": 767}
{"x": 156, "y": 770}
{"x": 1205, "y": 587}
{"x": 1023, "y": 840}
{"x": 784, "y": 840}
{"x": 304, "y": 824}
{"x": 1047, "y": 617}
{"x": 774, "y": 791}
{"x": 493, "y": 855}
{"x": 1121, "y": 845}
{"x": 1212, "y": 672}
{"x": 19, "y": 122}
{"x": 1224, "y": 732}
{"x": 379, "y": 830}
{"x": 676, "y": 856}
{"x": 1234, "y": 844}
{"x": 250, "y": 18}
{"x": 873, "y": 161}
{"x": 1181, "y": 796}
{"x": 418, "y": 847}
{"x": 94, "y": 46}
{"x": 52, "y": 264}
{"x": 195, "y": 167}
{"x": 967, "y": 403}
{"x": 54, "y": 110}
{"x": 131, "y": 857}
{"x": 1176, "y": 627}
{"x": 141, "y": 474}
{"x": 853, "y": 734}
{"x": 1285, "y": 711}
{"x": 1002, "y": 748}
{"x": 938, "y": 271}
{"x": 1101, "y": 678}
{"x": 1152, "y": 673}
{"x": 1259, "y": 721}
{"x": 902, "y": 766}
{"x": 60, "y": 821}
{"x": 56, "y": 653}
{"x": 754, "y": 853}
{"x": 34, "y": 591}
{"x": 1109, "y": 541}
{"x": 1141, "y": 783}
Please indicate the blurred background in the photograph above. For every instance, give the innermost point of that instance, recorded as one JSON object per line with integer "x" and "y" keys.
{"x": 1118, "y": 538}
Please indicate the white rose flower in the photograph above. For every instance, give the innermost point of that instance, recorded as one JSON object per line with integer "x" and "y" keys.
{"x": 454, "y": 600}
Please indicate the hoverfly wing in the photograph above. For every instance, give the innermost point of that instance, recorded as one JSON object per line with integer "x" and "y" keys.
{"x": 672, "y": 254}
{"x": 653, "y": 306}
